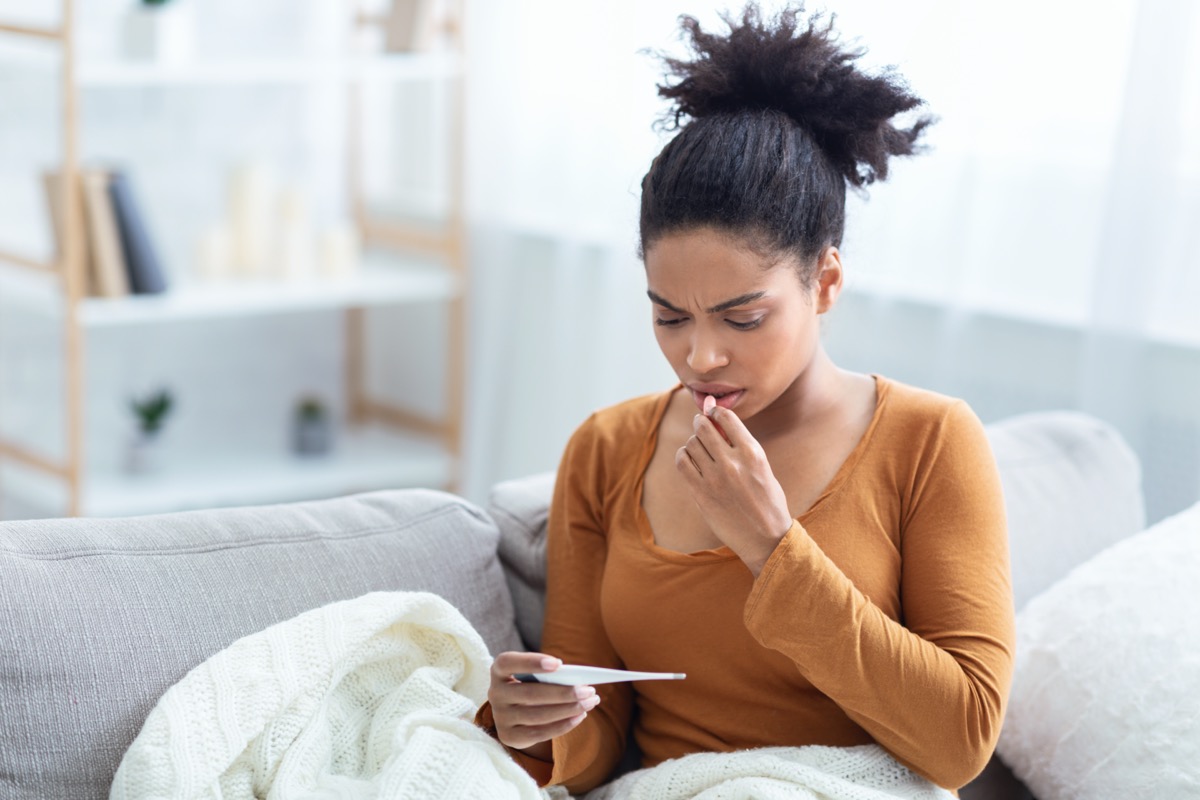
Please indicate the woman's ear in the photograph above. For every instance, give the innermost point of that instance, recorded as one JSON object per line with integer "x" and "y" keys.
{"x": 829, "y": 278}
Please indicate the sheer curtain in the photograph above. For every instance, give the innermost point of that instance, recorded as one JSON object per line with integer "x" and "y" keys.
{"x": 1043, "y": 252}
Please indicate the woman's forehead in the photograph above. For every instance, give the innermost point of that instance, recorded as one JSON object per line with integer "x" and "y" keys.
{"x": 706, "y": 268}
{"x": 710, "y": 244}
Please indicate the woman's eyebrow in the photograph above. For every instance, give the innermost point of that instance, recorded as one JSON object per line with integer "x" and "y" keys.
{"x": 740, "y": 300}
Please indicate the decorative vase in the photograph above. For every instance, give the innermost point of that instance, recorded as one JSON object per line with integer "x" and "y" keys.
{"x": 162, "y": 33}
{"x": 141, "y": 453}
{"x": 312, "y": 434}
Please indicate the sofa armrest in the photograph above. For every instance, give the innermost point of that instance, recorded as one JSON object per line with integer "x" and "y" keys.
{"x": 519, "y": 508}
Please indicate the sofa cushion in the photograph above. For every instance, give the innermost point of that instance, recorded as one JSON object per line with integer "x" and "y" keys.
{"x": 101, "y": 616}
{"x": 1106, "y": 693}
{"x": 1072, "y": 487}
{"x": 519, "y": 508}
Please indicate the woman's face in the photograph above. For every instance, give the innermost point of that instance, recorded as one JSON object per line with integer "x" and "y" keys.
{"x": 733, "y": 323}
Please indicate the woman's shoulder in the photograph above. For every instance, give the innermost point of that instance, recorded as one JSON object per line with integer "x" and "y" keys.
{"x": 630, "y": 421}
{"x": 912, "y": 411}
{"x": 610, "y": 439}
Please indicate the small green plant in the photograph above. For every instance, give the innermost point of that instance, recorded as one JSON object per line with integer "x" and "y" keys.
{"x": 152, "y": 410}
{"x": 310, "y": 408}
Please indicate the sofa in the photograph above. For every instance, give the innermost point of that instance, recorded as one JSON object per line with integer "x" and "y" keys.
{"x": 98, "y": 617}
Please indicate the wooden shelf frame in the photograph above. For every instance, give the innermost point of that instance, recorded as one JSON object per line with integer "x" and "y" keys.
{"x": 68, "y": 269}
{"x": 36, "y": 32}
{"x": 448, "y": 245}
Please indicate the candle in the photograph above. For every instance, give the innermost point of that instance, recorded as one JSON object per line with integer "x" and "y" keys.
{"x": 340, "y": 251}
{"x": 249, "y": 218}
{"x": 295, "y": 236}
{"x": 213, "y": 254}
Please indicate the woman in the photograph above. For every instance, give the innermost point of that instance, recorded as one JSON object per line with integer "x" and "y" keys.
{"x": 823, "y": 553}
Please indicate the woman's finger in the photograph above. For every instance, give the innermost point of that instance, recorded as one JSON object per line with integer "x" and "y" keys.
{"x": 515, "y": 693}
{"x": 537, "y": 715}
{"x": 521, "y": 737}
{"x": 686, "y": 464}
{"x": 709, "y": 435}
{"x": 512, "y": 662}
{"x": 732, "y": 427}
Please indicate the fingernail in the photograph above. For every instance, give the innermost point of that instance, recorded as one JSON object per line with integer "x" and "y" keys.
{"x": 584, "y": 691}
{"x": 551, "y": 663}
{"x": 591, "y": 703}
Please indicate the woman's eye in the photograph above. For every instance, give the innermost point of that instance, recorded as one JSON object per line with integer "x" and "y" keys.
{"x": 668, "y": 322}
{"x": 745, "y": 326}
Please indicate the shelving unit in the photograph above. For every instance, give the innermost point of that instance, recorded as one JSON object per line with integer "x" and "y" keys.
{"x": 381, "y": 445}
{"x": 365, "y": 456}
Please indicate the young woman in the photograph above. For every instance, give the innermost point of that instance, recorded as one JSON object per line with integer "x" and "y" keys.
{"x": 822, "y": 552}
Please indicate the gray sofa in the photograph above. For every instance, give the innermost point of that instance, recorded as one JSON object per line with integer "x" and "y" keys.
{"x": 98, "y": 617}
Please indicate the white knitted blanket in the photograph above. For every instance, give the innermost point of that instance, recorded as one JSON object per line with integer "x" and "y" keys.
{"x": 373, "y": 698}
{"x": 866, "y": 772}
{"x": 367, "y": 698}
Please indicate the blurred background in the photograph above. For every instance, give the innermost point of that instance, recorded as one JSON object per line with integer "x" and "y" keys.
{"x": 483, "y": 159}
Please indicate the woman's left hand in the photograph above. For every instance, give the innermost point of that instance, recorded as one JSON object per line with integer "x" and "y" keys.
{"x": 734, "y": 487}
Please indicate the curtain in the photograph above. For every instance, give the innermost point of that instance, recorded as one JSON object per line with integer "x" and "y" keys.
{"x": 1043, "y": 252}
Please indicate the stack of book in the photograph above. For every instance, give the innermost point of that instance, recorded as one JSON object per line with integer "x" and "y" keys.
{"x": 118, "y": 253}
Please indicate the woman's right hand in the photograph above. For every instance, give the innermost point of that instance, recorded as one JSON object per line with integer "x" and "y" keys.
{"x": 528, "y": 715}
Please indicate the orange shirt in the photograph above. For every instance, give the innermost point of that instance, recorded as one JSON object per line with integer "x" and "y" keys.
{"x": 885, "y": 614}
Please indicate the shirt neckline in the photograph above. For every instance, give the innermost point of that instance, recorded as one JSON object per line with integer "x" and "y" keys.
{"x": 724, "y": 553}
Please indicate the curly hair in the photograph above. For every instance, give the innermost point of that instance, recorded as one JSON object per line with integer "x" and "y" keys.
{"x": 777, "y": 120}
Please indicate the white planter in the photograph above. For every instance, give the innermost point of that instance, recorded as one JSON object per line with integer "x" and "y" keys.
{"x": 142, "y": 452}
{"x": 164, "y": 34}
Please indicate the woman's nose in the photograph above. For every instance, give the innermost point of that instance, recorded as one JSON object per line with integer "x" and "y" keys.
{"x": 706, "y": 353}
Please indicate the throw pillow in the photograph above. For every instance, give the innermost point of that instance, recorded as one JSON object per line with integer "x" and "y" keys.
{"x": 1106, "y": 694}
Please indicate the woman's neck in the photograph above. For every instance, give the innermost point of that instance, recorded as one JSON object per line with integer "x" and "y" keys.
{"x": 818, "y": 390}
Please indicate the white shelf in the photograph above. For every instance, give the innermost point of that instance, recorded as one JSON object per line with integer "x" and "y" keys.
{"x": 363, "y": 459}
{"x": 100, "y": 73}
{"x": 398, "y": 67}
{"x": 381, "y": 281}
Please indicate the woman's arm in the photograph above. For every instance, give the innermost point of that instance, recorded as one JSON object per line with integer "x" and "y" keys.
{"x": 931, "y": 690}
{"x": 576, "y": 551}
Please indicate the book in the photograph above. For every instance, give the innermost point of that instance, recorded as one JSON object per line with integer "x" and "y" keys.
{"x": 52, "y": 183}
{"x": 409, "y": 26}
{"x": 142, "y": 264}
{"x": 101, "y": 225}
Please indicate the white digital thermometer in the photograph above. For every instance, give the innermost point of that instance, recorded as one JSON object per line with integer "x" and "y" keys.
{"x": 573, "y": 675}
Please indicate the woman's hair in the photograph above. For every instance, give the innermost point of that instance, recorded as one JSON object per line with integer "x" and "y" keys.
{"x": 778, "y": 120}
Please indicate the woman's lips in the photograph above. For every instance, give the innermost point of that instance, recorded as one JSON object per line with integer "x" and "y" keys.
{"x": 726, "y": 400}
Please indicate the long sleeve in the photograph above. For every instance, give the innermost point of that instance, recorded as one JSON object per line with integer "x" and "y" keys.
{"x": 930, "y": 687}
{"x": 576, "y": 551}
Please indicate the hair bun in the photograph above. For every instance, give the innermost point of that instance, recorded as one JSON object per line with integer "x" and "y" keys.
{"x": 803, "y": 71}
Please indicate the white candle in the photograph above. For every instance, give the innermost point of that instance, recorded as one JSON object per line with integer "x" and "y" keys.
{"x": 213, "y": 255}
{"x": 296, "y": 245}
{"x": 250, "y": 217}
{"x": 340, "y": 251}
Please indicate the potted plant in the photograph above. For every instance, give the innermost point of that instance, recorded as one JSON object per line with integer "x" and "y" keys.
{"x": 159, "y": 30}
{"x": 312, "y": 433}
{"x": 150, "y": 412}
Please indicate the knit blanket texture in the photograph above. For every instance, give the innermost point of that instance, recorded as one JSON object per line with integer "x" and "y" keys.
{"x": 366, "y": 698}
{"x": 373, "y": 699}
{"x": 865, "y": 772}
